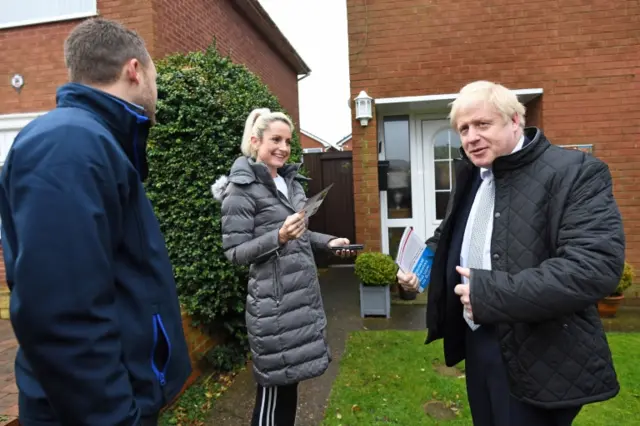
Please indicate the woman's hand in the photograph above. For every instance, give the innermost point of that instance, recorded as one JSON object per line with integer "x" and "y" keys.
{"x": 408, "y": 281}
{"x": 337, "y": 242}
{"x": 293, "y": 228}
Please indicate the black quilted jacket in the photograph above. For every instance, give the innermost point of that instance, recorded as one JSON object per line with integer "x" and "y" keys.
{"x": 557, "y": 248}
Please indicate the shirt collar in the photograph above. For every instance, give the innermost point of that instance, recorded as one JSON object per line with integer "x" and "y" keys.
{"x": 486, "y": 173}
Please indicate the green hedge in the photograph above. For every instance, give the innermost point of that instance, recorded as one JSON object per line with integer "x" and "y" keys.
{"x": 204, "y": 99}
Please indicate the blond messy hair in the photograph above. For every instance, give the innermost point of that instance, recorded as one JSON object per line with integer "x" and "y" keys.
{"x": 257, "y": 122}
{"x": 503, "y": 100}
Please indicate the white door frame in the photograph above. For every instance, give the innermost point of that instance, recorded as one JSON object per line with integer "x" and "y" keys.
{"x": 416, "y": 185}
{"x": 429, "y": 189}
{"x": 422, "y": 182}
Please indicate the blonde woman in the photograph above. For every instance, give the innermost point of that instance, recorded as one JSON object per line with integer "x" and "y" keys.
{"x": 261, "y": 227}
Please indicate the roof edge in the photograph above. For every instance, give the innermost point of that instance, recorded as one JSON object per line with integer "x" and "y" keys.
{"x": 344, "y": 139}
{"x": 258, "y": 16}
{"x": 327, "y": 144}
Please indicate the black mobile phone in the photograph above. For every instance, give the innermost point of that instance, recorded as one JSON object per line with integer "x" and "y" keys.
{"x": 353, "y": 247}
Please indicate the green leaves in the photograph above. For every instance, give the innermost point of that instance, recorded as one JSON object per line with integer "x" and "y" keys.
{"x": 203, "y": 101}
{"x": 375, "y": 269}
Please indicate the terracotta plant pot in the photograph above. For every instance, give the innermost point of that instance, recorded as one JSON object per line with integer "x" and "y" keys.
{"x": 608, "y": 306}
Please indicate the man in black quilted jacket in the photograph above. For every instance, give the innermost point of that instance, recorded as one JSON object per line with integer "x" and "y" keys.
{"x": 532, "y": 239}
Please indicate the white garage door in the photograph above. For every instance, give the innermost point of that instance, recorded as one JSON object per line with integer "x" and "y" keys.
{"x": 10, "y": 125}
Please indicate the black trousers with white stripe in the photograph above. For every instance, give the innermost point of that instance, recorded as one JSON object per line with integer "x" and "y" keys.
{"x": 275, "y": 406}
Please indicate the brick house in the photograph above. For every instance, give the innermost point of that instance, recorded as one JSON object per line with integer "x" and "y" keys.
{"x": 31, "y": 42}
{"x": 345, "y": 143}
{"x": 313, "y": 144}
{"x": 574, "y": 64}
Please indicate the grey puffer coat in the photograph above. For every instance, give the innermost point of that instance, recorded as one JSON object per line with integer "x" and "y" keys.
{"x": 284, "y": 311}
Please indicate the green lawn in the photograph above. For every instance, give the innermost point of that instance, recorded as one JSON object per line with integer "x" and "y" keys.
{"x": 387, "y": 377}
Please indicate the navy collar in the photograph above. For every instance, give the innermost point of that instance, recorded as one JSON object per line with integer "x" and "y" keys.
{"x": 125, "y": 120}
{"x": 534, "y": 144}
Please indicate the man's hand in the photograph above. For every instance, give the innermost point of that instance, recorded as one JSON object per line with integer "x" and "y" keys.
{"x": 408, "y": 281}
{"x": 463, "y": 290}
{"x": 293, "y": 228}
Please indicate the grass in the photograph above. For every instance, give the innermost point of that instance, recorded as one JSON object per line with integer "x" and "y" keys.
{"x": 387, "y": 377}
{"x": 623, "y": 409}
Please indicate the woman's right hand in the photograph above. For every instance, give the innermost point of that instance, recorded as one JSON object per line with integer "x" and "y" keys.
{"x": 293, "y": 228}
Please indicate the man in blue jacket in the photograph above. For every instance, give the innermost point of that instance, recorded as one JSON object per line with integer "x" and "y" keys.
{"x": 93, "y": 298}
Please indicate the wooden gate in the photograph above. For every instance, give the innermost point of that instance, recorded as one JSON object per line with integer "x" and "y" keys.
{"x": 337, "y": 214}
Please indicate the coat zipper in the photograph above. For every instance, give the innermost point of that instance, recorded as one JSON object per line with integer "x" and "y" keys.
{"x": 276, "y": 279}
{"x": 158, "y": 326}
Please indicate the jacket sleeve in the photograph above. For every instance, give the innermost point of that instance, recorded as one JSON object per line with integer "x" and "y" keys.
{"x": 238, "y": 242}
{"x": 587, "y": 267}
{"x": 320, "y": 241}
{"x": 432, "y": 242}
{"x": 64, "y": 316}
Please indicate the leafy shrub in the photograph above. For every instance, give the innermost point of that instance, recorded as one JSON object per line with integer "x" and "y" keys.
{"x": 375, "y": 269}
{"x": 204, "y": 99}
{"x": 626, "y": 281}
{"x": 225, "y": 357}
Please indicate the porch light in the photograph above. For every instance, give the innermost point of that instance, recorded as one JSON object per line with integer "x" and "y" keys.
{"x": 363, "y": 108}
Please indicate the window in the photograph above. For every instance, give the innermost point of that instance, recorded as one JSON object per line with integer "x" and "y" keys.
{"x": 397, "y": 153}
{"x": 446, "y": 147}
{"x": 17, "y": 13}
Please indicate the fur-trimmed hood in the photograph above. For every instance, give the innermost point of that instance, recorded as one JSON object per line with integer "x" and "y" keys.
{"x": 219, "y": 187}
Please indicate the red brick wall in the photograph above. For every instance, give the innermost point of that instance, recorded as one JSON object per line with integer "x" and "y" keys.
{"x": 36, "y": 51}
{"x": 198, "y": 343}
{"x": 583, "y": 53}
{"x": 192, "y": 24}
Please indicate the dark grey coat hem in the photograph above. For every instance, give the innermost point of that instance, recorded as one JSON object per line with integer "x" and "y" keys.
{"x": 572, "y": 403}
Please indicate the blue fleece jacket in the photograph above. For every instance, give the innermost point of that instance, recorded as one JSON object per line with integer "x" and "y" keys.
{"x": 93, "y": 298}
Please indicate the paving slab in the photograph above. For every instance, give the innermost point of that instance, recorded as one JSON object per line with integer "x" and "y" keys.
{"x": 8, "y": 389}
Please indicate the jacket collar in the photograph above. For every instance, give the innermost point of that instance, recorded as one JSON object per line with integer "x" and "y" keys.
{"x": 528, "y": 154}
{"x": 126, "y": 121}
{"x": 246, "y": 170}
{"x": 487, "y": 172}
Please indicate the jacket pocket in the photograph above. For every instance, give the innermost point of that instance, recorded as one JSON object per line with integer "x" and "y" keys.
{"x": 277, "y": 288}
{"x": 161, "y": 351}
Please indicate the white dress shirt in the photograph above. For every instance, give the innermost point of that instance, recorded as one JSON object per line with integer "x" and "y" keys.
{"x": 487, "y": 179}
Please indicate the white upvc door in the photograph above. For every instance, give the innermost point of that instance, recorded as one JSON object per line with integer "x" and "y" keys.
{"x": 401, "y": 204}
{"x": 420, "y": 149}
{"x": 441, "y": 145}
